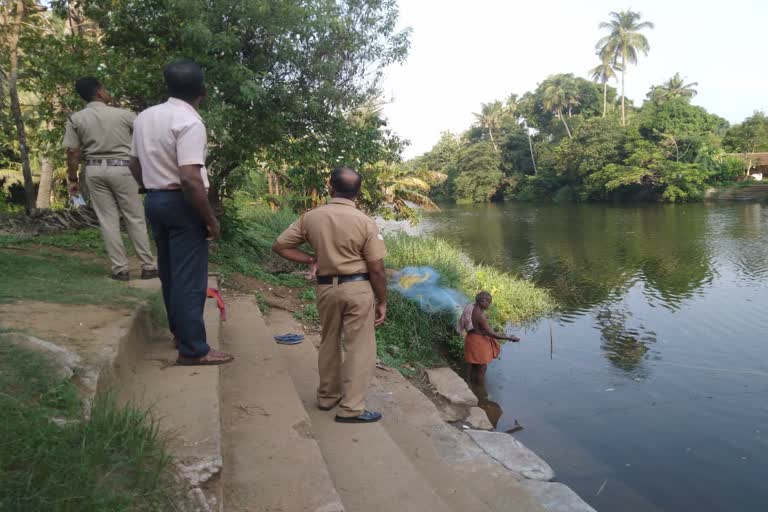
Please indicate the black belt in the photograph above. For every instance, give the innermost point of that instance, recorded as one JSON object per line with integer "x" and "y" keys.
{"x": 151, "y": 190}
{"x": 108, "y": 162}
{"x": 342, "y": 279}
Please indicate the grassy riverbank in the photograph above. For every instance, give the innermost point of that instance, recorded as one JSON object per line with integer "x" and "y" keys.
{"x": 411, "y": 337}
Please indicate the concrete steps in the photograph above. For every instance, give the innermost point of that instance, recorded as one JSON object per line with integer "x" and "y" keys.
{"x": 186, "y": 402}
{"x": 271, "y": 459}
{"x": 249, "y": 437}
{"x": 369, "y": 470}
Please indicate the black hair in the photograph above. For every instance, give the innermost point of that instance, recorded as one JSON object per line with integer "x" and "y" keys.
{"x": 482, "y": 295}
{"x": 87, "y": 87}
{"x": 184, "y": 79}
{"x": 346, "y": 182}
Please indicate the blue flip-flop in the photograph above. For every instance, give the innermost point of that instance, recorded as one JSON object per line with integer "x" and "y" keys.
{"x": 289, "y": 339}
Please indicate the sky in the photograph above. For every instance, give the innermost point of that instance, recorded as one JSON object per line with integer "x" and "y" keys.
{"x": 464, "y": 53}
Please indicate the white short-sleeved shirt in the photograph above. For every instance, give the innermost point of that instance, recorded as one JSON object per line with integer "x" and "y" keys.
{"x": 166, "y": 137}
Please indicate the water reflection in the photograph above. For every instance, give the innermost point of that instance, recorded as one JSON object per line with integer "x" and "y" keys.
{"x": 625, "y": 347}
{"x": 491, "y": 408}
{"x": 658, "y": 379}
{"x": 591, "y": 256}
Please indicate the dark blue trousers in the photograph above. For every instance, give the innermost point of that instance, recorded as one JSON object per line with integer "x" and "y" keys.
{"x": 182, "y": 260}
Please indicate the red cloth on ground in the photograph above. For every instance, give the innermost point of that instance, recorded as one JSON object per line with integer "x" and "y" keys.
{"x": 479, "y": 349}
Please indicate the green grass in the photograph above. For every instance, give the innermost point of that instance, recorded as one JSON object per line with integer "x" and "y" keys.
{"x": 84, "y": 240}
{"x": 248, "y": 232}
{"x": 158, "y": 319}
{"x": 261, "y": 300}
{"x": 115, "y": 461}
{"x": 514, "y": 300}
{"x": 62, "y": 279}
{"x": 308, "y": 315}
{"x": 308, "y": 294}
{"x": 414, "y": 337}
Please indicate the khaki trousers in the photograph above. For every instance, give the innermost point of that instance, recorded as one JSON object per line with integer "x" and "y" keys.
{"x": 346, "y": 311}
{"x": 113, "y": 191}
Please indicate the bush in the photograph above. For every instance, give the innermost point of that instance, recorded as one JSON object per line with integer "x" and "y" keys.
{"x": 414, "y": 336}
{"x": 248, "y": 230}
{"x": 514, "y": 299}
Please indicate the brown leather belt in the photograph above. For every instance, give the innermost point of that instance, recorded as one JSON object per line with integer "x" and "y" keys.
{"x": 342, "y": 279}
{"x": 108, "y": 163}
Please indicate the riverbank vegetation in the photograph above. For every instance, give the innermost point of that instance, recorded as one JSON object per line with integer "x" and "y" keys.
{"x": 411, "y": 337}
{"x": 580, "y": 139}
{"x": 293, "y": 90}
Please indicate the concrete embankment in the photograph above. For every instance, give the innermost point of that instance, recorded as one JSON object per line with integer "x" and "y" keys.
{"x": 249, "y": 437}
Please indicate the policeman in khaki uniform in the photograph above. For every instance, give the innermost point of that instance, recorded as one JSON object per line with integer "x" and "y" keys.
{"x": 101, "y": 135}
{"x": 351, "y": 293}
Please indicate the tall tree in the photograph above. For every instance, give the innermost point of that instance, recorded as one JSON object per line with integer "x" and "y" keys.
{"x": 560, "y": 94}
{"x": 490, "y": 118}
{"x": 673, "y": 88}
{"x": 479, "y": 175}
{"x": 512, "y": 107}
{"x": 623, "y": 44}
{"x": 284, "y": 76}
{"x": 13, "y": 17}
{"x": 603, "y": 73}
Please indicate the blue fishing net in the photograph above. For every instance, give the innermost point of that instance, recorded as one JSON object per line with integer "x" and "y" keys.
{"x": 421, "y": 285}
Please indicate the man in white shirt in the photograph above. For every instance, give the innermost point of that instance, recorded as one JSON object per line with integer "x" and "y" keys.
{"x": 168, "y": 161}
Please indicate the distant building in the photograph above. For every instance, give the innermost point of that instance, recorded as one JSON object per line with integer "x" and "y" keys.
{"x": 757, "y": 163}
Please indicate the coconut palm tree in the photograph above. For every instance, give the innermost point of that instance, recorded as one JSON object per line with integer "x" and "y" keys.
{"x": 490, "y": 117}
{"x": 675, "y": 87}
{"x": 623, "y": 44}
{"x": 604, "y": 73}
{"x": 560, "y": 94}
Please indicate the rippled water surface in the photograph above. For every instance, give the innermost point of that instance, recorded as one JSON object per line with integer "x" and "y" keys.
{"x": 648, "y": 391}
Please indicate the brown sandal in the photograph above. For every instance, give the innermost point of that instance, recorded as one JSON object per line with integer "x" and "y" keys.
{"x": 214, "y": 357}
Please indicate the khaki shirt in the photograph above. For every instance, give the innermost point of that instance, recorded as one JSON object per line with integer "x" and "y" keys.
{"x": 100, "y": 131}
{"x": 344, "y": 238}
{"x": 166, "y": 137}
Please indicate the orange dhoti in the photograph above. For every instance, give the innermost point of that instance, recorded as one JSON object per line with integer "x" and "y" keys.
{"x": 479, "y": 349}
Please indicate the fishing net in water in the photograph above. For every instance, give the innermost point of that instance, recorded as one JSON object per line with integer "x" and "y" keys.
{"x": 421, "y": 285}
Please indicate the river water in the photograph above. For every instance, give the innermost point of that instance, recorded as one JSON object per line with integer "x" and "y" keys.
{"x": 648, "y": 390}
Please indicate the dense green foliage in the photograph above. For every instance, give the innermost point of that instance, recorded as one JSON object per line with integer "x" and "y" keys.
{"x": 293, "y": 87}
{"x": 572, "y": 139}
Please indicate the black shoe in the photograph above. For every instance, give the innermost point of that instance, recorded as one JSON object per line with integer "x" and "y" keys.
{"x": 150, "y": 274}
{"x": 366, "y": 417}
{"x": 121, "y": 276}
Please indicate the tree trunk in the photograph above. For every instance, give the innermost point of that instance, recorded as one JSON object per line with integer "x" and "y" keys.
{"x": 46, "y": 180}
{"x": 623, "y": 112}
{"x": 605, "y": 97}
{"x": 568, "y": 130}
{"x": 314, "y": 200}
{"x": 530, "y": 145}
{"x": 13, "y": 92}
{"x": 493, "y": 142}
{"x": 271, "y": 190}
